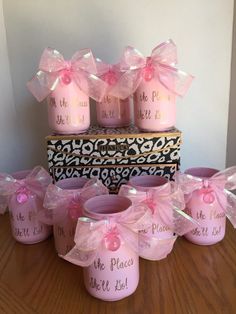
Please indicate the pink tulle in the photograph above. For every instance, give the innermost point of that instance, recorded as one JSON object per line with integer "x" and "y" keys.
{"x": 161, "y": 65}
{"x": 53, "y": 68}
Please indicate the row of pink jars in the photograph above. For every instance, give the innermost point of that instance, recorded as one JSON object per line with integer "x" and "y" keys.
{"x": 154, "y": 81}
{"x": 23, "y": 193}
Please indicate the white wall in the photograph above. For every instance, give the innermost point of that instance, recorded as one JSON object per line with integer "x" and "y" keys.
{"x": 9, "y": 141}
{"x": 231, "y": 143}
{"x": 201, "y": 29}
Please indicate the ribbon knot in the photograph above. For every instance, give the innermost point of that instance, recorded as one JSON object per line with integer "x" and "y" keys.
{"x": 218, "y": 189}
{"x": 112, "y": 239}
{"x": 54, "y": 69}
{"x": 75, "y": 209}
{"x": 110, "y": 77}
{"x": 205, "y": 183}
{"x": 22, "y": 195}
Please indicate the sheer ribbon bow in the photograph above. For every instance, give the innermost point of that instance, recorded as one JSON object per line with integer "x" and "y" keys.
{"x": 166, "y": 204}
{"x": 92, "y": 235}
{"x": 161, "y": 65}
{"x": 59, "y": 203}
{"x": 54, "y": 69}
{"x": 121, "y": 82}
{"x": 35, "y": 183}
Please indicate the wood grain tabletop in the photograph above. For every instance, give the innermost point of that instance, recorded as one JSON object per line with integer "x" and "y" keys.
{"x": 192, "y": 279}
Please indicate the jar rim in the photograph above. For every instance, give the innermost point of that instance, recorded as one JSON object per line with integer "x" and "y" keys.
{"x": 103, "y": 206}
{"x": 201, "y": 172}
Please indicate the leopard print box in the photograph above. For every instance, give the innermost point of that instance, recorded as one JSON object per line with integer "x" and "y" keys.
{"x": 114, "y": 155}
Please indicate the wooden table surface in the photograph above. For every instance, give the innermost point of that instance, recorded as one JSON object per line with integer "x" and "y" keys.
{"x": 192, "y": 279}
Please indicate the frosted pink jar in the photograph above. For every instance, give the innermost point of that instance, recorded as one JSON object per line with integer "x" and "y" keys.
{"x": 25, "y": 226}
{"x": 113, "y": 112}
{"x": 64, "y": 230}
{"x": 154, "y": 106}
{"x": 203, "y": 206}
{"x": 113, "y": 275}
{"x": 68, "y": 109}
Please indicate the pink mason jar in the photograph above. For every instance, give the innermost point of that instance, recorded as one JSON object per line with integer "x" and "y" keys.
{"x": 118, "y": 263}
{"x": 204, "y": 206}
{"x": 67, "y": 85}
{"x": 107, "y": 246}
{"x": 63, "y": 205}
{"x": 154, "y": 106}
{"x": 24, "y": 206}
{"x": 158, "y": 83}
{"x": 68, "y": 109}
{"x": 159, "y": 230}
{"x": 113, "y": 112}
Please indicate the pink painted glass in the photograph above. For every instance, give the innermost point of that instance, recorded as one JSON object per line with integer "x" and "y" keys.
{"x": 113, "y": 112}
{"x": 202, "y": 204}
{"x": 121, "y": 266}
{"x": 23, "y": 207}
{"x": 64, "y": 230}
{"x": 154, "y": 106}
{"x": 158, "y": 229}
{"x": 68, "y": 109}
{"x": 107, "y": 245}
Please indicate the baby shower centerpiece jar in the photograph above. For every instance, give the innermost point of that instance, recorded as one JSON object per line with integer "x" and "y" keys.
{"x": 63, "y": 205}
{"x": 114, "y": 109}
{"x": 209, "y": 201}
{"x": 67, "y": 85}
{"x": 106, "y": 245}
{"x": 159, "y": 84}
{"x": 166, "y": 203}
{"x": 23, "y": 193}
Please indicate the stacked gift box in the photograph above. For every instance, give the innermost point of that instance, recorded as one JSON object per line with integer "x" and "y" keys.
{"x": 113, "y": 192}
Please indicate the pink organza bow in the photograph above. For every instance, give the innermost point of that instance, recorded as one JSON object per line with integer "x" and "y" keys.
{"x": 35, "y": 183}
{"x": 214, "y": 188}
{"x": 161, "y": 65}
{"x": 59, "y": 203}
{"x": 110, "y": 233}
{"x": 121, "y": 83}
{"x": 54, "y": 69}
{"x": 166, "y": 204}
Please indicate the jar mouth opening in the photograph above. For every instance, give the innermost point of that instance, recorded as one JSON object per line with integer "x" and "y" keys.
{"x": 20, "y": 175}
{"x": 71, "y": 184}
{"x": 148, "y": 181}
{"x": 201, "y": 172}
{"x": 106, "y": 205}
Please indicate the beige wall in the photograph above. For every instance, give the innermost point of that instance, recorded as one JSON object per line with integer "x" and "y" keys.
{"x": 231, "y": 140}
{"x": 202, "y": 30}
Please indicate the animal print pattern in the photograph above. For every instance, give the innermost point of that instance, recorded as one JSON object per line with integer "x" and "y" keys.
{"x": 111, "y": 158}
